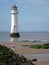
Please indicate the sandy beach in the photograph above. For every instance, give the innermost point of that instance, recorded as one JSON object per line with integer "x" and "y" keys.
{"x": 29, "y": 52}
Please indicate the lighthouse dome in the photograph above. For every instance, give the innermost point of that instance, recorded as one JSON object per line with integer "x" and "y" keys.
{"x": 14, "y": 7}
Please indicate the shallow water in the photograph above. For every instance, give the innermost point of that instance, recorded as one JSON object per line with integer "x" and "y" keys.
{"x": 40, "y": 36}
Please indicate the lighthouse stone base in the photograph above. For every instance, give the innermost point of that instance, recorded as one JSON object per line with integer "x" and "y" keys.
{"x": 14, "y": 35}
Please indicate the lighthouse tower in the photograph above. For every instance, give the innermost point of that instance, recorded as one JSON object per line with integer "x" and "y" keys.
{"x": 14, "y": 22}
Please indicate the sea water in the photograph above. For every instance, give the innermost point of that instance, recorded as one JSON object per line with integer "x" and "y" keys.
{"x": 30, "y": 36}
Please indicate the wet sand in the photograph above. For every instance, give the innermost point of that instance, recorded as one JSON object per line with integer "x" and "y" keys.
{"x": 24, "y": 50}
{"x": 42, "y": 63}
{"x": 16, "y": 46}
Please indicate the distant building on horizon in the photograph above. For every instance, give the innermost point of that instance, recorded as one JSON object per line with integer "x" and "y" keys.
{"x": 14, "y": 22}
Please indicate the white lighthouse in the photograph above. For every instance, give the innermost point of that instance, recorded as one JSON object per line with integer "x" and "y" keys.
{"x": 14, "y": 22}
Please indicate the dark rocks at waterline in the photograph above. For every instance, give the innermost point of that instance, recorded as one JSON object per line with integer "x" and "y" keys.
{"x": 14, "y": 35}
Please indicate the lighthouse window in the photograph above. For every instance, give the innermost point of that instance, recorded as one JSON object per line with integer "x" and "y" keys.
{"x": 14, "y": 26}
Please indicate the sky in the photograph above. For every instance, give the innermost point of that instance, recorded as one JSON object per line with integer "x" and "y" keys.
{"x": 33, "y": 15}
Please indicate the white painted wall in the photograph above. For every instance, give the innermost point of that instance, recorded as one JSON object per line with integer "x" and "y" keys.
{"x": 14, "y": 21}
